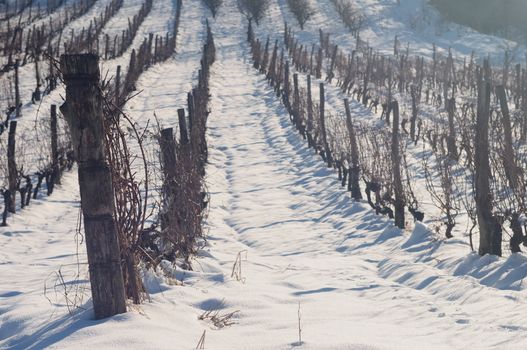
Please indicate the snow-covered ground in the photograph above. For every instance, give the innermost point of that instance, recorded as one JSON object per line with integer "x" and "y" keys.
{"x": 306, "y": 255}
{"x": 414, "y": 22}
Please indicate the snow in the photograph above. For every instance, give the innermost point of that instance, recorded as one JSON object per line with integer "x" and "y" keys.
{"x": 303, "y": 243}
{"x": 413, "y": 21}
{"x": 115, "y": 25}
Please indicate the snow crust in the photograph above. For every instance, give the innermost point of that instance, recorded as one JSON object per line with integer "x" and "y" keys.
{"x": 303, "y": 244}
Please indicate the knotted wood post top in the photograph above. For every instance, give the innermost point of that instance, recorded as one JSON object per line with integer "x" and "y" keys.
{"x": 80, "y": 67}
{"x": 83, "y": 108}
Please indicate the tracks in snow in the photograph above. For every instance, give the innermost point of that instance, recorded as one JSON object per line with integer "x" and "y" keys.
{"x": 308, "y": 242}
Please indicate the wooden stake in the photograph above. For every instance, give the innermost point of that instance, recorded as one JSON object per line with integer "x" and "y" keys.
{"x": 396, "y": 163}
{"x": 54, "y": 148}
{"x": 11, "y": 165}
{"x": 84, "y": 113}
{"x": 327, "y": 151}
{"x": 354, "y": 169}
{"x": 183, "y": 132}
{"x": 489, "y": 230}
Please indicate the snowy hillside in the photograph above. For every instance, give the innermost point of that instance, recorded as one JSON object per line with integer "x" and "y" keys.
{"x": 288, "y": 260}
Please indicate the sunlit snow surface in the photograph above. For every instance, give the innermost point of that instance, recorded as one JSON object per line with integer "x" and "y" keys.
{"x": 360, "y": 283}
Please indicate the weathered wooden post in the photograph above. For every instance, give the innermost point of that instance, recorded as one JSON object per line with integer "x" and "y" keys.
{"x": 413, "y": 119}
{"x": 191, "y": 109}
{"x": 366, "y": 81}
{"x": 265, "y": 59}
{"x": 54, "y": 149}
{"x": 517, "y": 87}
{"x": 271, "y": 72}
{"x": 168, "y": 154}
{"x": 434, "y": 65}
{"x": 511, "y": 169}
{"x": 149, "y": 50}
{"x": 279, "y": 75}
{"x": 296, "y": 103}
{"x": 52, "y": 78}
{"x": 396, "y": 163}
{"x": 37, "y": 93}
{"x": 327, "y": 151}
{"x": 354, "y": 168}
{"x": 332, "y": 66}
{"x": 167, "y": 144}
{"x": 18, "y": 106}
{"x": 400, "y": 76}
{"x": 451, "y": 139}
{"x": 28, "y": 189}
{"x": 311, "y": 66}
{"x": 7, "y": 199}
{"x": 256, "y": 49}
{"x": 118, "y": 87}
{"x": 84, "y": 113}
{"x": 310, "y": 141}
{"x": 11, "y": 165}
{"x": 287, "y": 87}
{"x": 183, "y": 131}
{"x": 318, "y": 69}
{"x": 106, "y": 45}
{"x": 489, "y": 229}
{"x": 389, "y": 97}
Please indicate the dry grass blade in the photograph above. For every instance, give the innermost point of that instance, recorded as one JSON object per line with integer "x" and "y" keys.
{"x": 217, "y": 318}
{"x": 201, "y": 342}
{"x": 237, "y": 267}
